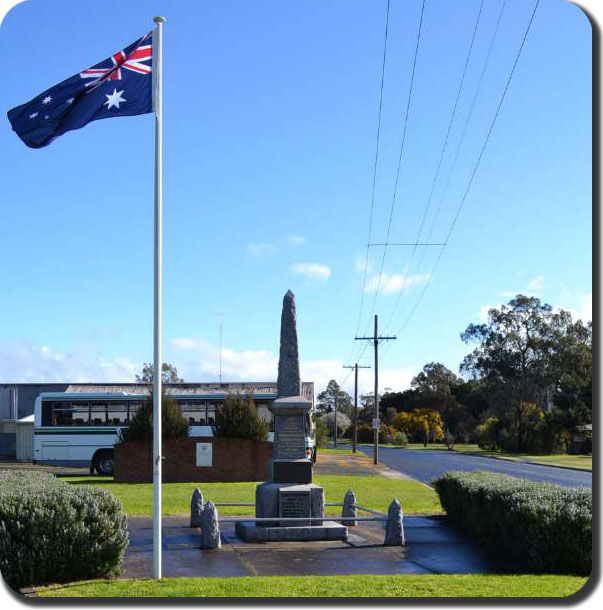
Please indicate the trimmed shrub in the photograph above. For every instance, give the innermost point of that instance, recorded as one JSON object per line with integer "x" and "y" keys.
{"x": 238, "y": 418}
{"x": 541, "y": 527}
{"x": 173, "y": 423}
{"x": 51, "y": 531}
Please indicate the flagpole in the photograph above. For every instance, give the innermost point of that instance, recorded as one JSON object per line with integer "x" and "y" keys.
{"x": 157, "y": 389}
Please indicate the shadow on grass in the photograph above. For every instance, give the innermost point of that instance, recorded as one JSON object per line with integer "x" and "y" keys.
{"x": 89, "y": 481}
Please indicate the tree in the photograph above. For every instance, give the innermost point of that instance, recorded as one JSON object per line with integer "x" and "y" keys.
{"x": 327, "y": 398}
{"x": 173, "y": 424}
{"x": 169, "y": 374}
{"x": 238, "y": 418}
{"x": 343, "y": 422}
{"x": 528, "y": 355}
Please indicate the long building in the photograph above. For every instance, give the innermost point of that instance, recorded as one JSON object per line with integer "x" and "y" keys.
{"x": 17, "y": 400}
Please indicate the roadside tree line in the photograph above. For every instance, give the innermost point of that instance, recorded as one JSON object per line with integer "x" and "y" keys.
{"x": 526, "y": 386}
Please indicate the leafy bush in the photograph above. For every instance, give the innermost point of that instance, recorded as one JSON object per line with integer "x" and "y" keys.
{"x": 238, "y": 418}
{"x": 51, "y": 531}
{"x": 173, "y": 423}
{"x": 387, "y": 434}
{"x": 321, "y": 433}
{"x": 540, "y": 526}
{"x": 401, "y": 439}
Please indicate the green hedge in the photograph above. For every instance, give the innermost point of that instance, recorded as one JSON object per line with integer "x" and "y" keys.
{"x": 541, "y": 527}
{"x": 51, "y": 531}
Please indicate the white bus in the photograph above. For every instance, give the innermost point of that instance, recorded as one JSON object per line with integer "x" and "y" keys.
{"x": 81, "y": 429}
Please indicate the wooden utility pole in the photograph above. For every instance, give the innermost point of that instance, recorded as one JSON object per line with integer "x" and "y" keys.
{"x": 375, "y": 339}
{"x": 355, "y": 436}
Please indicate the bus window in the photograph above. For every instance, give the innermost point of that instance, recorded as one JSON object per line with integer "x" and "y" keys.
{"x": 117, "y": 413}
{"x": 193, "y": 412}
{"x": 62, "y": 414}
{"x": 132, "y": 410}
{"x": 47, "y": 413}
{"x": 79, "y": 413}
{"x": 98, "y": 414}
{"x": 211, "y": 414}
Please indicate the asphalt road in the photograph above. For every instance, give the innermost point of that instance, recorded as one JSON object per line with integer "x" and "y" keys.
{"x": 429, "y": 464}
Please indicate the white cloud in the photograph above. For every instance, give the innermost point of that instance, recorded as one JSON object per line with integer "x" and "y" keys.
{"x": 536, "y": 283}
{"x": 584, "y": 310}
{"x": 23, "y": 361}
{"x": 198, "y": 360}
{"x": 260, "y": 249}
{"x": 296, "y": 240}
{"x": 312, "y": 271}
{"x": 395, "y": 282}
{"x": 361, "y": 263}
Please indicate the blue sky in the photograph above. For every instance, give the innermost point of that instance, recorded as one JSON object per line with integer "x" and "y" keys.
{"x": 270, "y": 117}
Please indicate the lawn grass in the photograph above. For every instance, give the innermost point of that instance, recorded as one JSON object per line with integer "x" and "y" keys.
{"x": 333, "y": 451}
{"x": 390, "y": 585}
{"x": 373, "y": 491}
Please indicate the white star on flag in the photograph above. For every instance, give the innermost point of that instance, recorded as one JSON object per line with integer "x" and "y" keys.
{"x": 114, "y": 99}
{"x": 33, "y": 115}
{"x": 47, "y": 99}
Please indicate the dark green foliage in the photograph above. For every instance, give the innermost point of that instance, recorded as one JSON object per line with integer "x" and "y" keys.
{"x": 540, "y": 527}
{"x": 321, "y": 433}
{"x": 173, "y": 424}
{"x": 51, "y": 531}
{"x": 238, "y": 418}
{"x": 387, "y": 434}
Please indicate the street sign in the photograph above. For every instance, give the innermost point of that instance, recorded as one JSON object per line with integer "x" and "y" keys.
{"x": 376, "y": 423}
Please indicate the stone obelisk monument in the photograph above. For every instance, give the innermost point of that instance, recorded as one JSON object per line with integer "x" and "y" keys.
{"x": 289, "y": 492}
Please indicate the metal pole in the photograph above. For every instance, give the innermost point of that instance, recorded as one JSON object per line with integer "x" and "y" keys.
{"x": 355, "y": 439}
{"x": 157, "y": 305}
{"x": 335, "y": 421}
{"x": 376, "y": 431}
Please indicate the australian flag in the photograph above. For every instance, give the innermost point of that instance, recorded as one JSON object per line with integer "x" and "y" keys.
{"x": 119, "y": 86}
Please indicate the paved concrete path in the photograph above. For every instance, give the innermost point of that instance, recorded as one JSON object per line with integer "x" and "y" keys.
{"x": 428, "y": 464}
{"x": 433, "y": 547}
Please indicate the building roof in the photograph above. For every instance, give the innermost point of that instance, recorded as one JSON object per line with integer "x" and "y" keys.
{"x": 187, "y": 388}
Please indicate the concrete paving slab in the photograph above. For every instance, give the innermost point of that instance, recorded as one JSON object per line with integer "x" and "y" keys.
{"x": 434, "y": 546}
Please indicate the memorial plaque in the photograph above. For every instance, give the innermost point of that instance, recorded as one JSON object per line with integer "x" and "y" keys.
{"x": 204, "y": 454}
{"x": 290, "y": 438}
{"x": 294, "y": 503}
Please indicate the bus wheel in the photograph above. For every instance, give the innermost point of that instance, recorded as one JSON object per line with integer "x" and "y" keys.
{"x": 105, "y": 461}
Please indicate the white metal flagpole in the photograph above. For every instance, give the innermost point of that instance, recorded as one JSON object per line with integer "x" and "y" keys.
{"x": 157, "y": 303}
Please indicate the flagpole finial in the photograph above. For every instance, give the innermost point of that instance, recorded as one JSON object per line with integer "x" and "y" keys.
{"x": 159, "y": 19}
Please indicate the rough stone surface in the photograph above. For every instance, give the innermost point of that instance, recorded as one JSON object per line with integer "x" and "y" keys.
{"x": 349, "y": 509}
{"x": 394, "y": 529}
{"x": 210, "y": 528}
{"x": 288, "y": 381}
{"x": 267, "y": 499}
{"x": 248, "y": 531}
{"x": 196, "y": 508}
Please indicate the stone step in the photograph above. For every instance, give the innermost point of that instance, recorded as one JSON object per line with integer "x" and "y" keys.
{"x": 248, "y": 531}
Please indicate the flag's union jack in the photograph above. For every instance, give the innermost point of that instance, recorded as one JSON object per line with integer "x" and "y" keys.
{"x": 118, "y": 86}
{"x": 121, "y": 60}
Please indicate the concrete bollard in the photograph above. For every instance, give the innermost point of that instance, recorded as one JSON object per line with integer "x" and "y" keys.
{"x": 210, "y": 528}
{"x": 349, "y": 509}
{"x": 196, "y": 508}
{"x": 394, "y": 529}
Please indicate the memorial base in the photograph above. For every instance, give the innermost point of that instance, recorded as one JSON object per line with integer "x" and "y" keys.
{"x": 249, "y": 531}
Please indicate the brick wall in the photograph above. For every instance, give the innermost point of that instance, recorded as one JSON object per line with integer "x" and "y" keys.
{"x": 233, "y": 459}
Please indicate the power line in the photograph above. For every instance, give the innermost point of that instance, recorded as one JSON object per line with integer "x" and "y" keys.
{"x": 370, "y": 227}
{"x": 393, "y": 205}
{"x": 481, "y": 154}
{"x": 466, "y": 125}
{"x": 441, "y": 157}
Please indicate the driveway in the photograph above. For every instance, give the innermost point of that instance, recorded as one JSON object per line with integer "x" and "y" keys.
{"x": 429, "y": 464}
